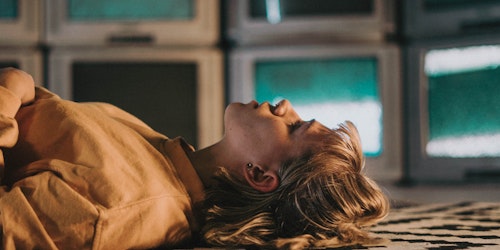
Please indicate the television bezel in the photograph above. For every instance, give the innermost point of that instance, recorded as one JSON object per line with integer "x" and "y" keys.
{"x": 420, "y": 166}
{"x": 202, "y": 30}
{"x": 419, "y": 23}
{"x": 26, "y": 29}
{"x": 28, "y": 59}
{"x": 243, "y": 29}
{"x": 387, "y": 166}
{"x": 210, "y": 85}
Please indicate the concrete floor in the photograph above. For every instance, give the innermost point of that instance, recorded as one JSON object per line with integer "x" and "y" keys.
{"x": 439, "y": 193}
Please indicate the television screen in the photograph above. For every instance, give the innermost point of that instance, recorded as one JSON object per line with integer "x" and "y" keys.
{"x": 328, "y": 90}
{"x": 6, "y": 64}
{"x": 272, "y": 21}
{"x": 275, "y": 10}
{"x": 176, "y": 92}
{"x": 129, "y": 10}
{"x": 19, "y": 22}
{"x": 99, "y": 22}
{"x": 436, "y": 5}
{"x": 152, "y": 91}
{"x": 455, "y": 17}
{"x": 27, "y": 59}
{"x": 331, "y": 84}
{"x": 8, "y": 10}
{"x": 454, "y": 125}
{"x": 463, "y": 101}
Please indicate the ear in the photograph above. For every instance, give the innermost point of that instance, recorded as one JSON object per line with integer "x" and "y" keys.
{"x": 260, "y": 179}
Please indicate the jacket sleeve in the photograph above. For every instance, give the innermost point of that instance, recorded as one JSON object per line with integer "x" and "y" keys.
{"x": 11, "y": 202}
{"x": 34, "y": 200}
{"x": 9, "y": 105}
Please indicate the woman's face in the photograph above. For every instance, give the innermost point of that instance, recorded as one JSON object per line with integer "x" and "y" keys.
{"x": 267, "y": 134}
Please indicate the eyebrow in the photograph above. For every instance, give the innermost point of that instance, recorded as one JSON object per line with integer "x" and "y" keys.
{"x": 321, "y": 128}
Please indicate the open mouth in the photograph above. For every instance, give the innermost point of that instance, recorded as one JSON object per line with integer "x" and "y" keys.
{"x": 254, "y": 104}
{"x": 272, "y": 108}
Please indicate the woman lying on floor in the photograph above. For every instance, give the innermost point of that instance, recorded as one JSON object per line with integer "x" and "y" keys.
{"x": 89, "y": 175}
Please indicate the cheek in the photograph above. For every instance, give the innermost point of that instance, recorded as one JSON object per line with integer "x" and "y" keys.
{"x": 276, "y": 143}
{"x": 235, "y": 123}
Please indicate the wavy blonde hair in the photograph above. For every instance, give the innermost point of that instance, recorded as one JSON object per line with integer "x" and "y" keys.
{"x": 324, "y": 200}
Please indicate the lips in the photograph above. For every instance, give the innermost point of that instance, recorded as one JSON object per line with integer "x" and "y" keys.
{"x": 254, "y": 104}
{"x": 279, "y": 108}
{"x": 279, "y": 103}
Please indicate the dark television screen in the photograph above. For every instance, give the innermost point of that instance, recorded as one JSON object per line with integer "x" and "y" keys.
{"x": 8, "y": 9}
{"x": 440, "y": 5}
{"x": 5, "y": 64}
{"x": 163, "y": 95}
{"x": 300, "y": 8}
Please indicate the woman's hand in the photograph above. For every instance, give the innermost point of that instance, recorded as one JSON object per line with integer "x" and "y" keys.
{"x": 18, "y": 82}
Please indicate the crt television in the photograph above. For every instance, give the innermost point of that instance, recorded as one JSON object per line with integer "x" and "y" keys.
{"x": 331, "y": 84}
{"x": 156, "y": 22}
{"x": 20, "y": 22}
{"x": 177, "y": 92}
{"x": 435, "y": 18}
{"x": 269, "y": 21}
{"x": 27, "y": 59}
{"x": 454, "y": 109}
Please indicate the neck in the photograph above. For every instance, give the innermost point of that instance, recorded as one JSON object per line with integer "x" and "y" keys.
{"x": 207, "y": 161}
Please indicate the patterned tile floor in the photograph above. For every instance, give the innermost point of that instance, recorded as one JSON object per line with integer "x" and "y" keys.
{"x": 462, "y": 225}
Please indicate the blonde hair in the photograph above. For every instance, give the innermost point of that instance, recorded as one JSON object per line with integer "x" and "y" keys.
{"x": 324, "y": 200}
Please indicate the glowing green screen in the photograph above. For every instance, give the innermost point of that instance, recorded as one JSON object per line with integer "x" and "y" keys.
{"x": 464, "y": 101}
{"x": 330, "y": 91}
{"x": 95, "y": 10}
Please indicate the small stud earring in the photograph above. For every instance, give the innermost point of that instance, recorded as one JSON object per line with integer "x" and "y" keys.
{"x": 249, "y": 165}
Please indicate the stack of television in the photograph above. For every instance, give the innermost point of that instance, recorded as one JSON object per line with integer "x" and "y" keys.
{"x": 155, "y": 59}
{"x": 453, "y": 85}
{"x": 20, "y": 29}
{"x": 330, "y": 59}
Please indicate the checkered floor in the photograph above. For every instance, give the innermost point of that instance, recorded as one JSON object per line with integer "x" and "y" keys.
{"x": 465, "y": 225}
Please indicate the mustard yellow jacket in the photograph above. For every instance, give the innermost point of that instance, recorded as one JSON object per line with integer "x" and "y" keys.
{"x": 90, "y": 176}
